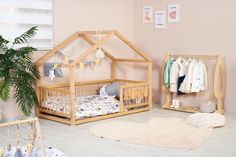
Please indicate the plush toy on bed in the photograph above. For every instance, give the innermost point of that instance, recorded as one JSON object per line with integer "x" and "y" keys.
{"x": 111, "y": 90}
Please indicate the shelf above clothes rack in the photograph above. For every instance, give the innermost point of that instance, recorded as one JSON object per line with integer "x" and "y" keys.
{"x": 219, "y": 82}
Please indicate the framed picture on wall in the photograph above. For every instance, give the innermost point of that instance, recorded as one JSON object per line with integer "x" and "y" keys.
{"x": 173, "y": 13}
{"x": 147, "y": 14}
{"x": 160, "y": 19}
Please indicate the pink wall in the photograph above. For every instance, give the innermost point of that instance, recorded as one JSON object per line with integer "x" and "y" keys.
{"x": 205, "y": 26}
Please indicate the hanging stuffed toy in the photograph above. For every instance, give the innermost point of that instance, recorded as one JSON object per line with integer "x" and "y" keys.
{"x": 99, "y": 53}
{"x": 97, "y": 61}
{"x": 18, "y": 152}
{"x": 81, "y": 65}
{"x": 66, "y": 59}
{"x": 89, "y": 64}
{"x": 52, "y": 74}
{"x": 9, "y": 153}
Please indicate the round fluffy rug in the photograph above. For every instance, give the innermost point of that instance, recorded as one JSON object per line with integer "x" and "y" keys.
{"x": 164, "y": 132}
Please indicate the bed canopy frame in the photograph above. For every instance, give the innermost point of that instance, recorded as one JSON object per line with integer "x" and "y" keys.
{"x": 130, "y": 89}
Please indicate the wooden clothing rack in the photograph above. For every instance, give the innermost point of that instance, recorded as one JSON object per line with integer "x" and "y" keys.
{"x": 35, "y": 122}
{"x": 219, "y": 82}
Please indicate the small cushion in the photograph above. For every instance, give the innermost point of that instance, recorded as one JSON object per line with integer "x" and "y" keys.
{"x": 208, "y": 107}
{"x": 206, "y": 120}
{"x": 102, "y": 91}
{"x": 113, "y": 89}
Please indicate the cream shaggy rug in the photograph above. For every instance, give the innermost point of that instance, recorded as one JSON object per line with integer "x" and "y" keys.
{"x": 164, "y": 132}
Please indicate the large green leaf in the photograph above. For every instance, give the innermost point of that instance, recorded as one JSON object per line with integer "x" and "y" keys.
{"x": 25, "y": 36}
{"x": 4, "y": 90}
{"x": 3, "y": 45}
{"x": 25, "y": 94}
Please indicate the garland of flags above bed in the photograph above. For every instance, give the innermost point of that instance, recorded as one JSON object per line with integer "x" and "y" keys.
{"x": 99, "y": 55}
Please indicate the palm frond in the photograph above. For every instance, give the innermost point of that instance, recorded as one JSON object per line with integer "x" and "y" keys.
{"x": 4, "y": 90}
{"x": 25, "y": 36}
{"x": 26, "y": 97}
{"x": 3, "y": 43}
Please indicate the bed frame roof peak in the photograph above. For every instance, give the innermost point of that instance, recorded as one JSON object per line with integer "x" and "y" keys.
{"x": 94, "y": 45}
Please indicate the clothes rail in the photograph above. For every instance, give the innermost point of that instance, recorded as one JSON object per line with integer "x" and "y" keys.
{"x": 199, "y": 56}
{"x": 219, "y": 89}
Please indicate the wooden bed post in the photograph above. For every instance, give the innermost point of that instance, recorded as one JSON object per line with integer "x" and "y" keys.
{"x": 72, "y": 94}
{"x": 113, "y": 70}
{"x": 150, "y": 84}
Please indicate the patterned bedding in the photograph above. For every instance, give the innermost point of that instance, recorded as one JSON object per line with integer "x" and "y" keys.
{"x": 85, "y": 106}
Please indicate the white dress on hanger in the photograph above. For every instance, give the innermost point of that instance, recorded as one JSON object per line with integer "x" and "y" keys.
{"x": 174, "y": 74}
{"x": 200, "y": 79}
{"x": 185, "y": 87}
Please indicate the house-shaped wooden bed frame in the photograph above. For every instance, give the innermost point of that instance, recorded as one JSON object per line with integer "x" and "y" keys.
{"x": 135, "y": 96}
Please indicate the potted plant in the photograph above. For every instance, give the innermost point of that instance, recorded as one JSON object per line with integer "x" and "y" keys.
{"x": 17, "y": 70}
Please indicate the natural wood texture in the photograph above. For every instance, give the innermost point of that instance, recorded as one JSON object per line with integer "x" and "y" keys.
{"x": 121, "y": 100}
{"x": 55, "y": 90}
{"x": 40, "y": 138}
{"x": 96, "y": 32}
{"x": 55, "y": 118}
{"x": 135, "y": 96}
{"x": 72, "y": 94}
{"x": 60, "y": 114}
{"x": 219, "y": 82}
{"x": 130, "y": 60}
{"x": 150, "y": 83}
{"x": 136, "y": 105}
{"x": 37, "y": 131}
{"x": 183, "y": 109}
{"x": 130, "y": 81}
{"x": 93, "y": 119}
{"x": 92, "y": 49}
{"x": 92, "y": 42}
{"x": 60, "y": 85}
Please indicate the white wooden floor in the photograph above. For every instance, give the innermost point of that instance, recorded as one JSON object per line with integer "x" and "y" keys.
{"x": 76, "y": 141}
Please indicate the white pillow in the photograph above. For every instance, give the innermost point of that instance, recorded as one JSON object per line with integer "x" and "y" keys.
{"x": 102, "y": 91}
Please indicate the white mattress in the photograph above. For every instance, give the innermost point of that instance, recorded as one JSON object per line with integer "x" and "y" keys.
{"x": 85, "y": 106}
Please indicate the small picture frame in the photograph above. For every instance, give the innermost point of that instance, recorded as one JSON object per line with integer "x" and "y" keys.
{"x": 173, "y": 13}
{"x": 147, "y": 14}
{"x": 160, "y": 19}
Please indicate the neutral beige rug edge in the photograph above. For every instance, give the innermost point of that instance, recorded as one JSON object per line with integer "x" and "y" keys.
{"x": 163, "y": 132}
